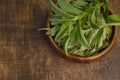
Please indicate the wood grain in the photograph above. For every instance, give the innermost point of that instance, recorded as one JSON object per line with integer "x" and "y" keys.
{"x": 25, "y": 53}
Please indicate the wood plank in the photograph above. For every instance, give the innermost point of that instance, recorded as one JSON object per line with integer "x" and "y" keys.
{"x": 25, "y": 53}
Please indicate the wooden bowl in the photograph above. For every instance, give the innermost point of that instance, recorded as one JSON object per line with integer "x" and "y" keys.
{"x": 84, "y": 59}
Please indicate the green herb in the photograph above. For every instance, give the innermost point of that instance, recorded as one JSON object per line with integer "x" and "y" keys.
{"x": 82, "y": 27}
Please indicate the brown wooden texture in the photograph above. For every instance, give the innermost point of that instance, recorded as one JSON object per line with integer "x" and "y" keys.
{"x": 25, "y": 53}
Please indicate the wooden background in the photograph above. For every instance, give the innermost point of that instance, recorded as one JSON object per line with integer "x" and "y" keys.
{"x": 25, "y": 53}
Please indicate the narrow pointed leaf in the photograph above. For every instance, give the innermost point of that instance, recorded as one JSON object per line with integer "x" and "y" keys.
{"x": 93, "y": 25}
{"x": 54, "y": 16}
{"x": 93, "y": 20}
{"x": 79, "y": 4}
{"x": 74, "y": 36}
{"x": 66, "y": 6}
{"x": 56, "y": 21}
{"x": 82, "y": 38}
{"x": 66, "y": 45}
{"x": 114, "y": 19}
{"x": 58, "y": 11}
{"x": 97, "y": 36}
{"x": 62, "y": 33}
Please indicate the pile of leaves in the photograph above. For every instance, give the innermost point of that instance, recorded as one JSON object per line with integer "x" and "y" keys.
{"x": 82, "y": 27}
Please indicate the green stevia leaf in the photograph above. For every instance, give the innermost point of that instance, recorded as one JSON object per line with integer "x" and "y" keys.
{"x": 114, "y": 19}
{"x": 106, "y": 5}
{"x": 91, "y": 52}
{"x": 52, "y": 31}
{"x": 104, "y": 35}
{"x": 63, "y": 41}
{"x": 56, "y": 21}
{"x": 68, "y": 0}
{"x": 85, "y": 26}
{"x": 70, "y": 28}
{"x": 78, "y": 52}
{"x": 108, "y": 31}
{"x": 89, "y": 36}
{"x": 81, "y": 36}
{"x": 62, "y": 33}
{"x": 105, "y": 10}
{"x": 87, "y": 31}
{"x": 105, "y": 1}
{"x": 93, "y": 25}
{"x": 73, "y": 39}
{"x": 93, "y": 20}
{"x": 66, "y": 45}
{"x": 105, "y": 45}
{"x": 44, "y": 29}
{"x": 67, "y": 7}
{"x": 79, "y": 3}
{"x": 54, "y": 16}
{"x": 97, "y": 36}
{"x": 101, "y": 19}
{"x": 111, "y": 24}
{"x": 83, "y": 48}
{"x": 59, "y": 11}
{"x": 100, "y": 44}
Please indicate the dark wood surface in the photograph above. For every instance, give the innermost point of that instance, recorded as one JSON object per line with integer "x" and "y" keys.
{"x": 25, "y": 53}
